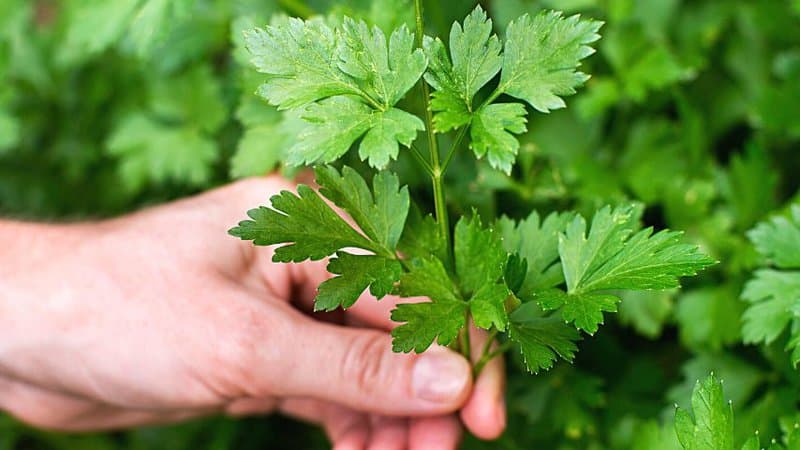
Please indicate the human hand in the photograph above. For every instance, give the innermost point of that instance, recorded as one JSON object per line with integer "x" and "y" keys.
{"x": 160, "y": 316}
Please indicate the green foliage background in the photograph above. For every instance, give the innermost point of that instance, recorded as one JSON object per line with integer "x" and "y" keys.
{"x": 693, "y": 109}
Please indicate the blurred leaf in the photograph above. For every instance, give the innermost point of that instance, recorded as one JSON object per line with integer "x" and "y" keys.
{"x": 705, "y": 317}
{"x": 152, "y": 153}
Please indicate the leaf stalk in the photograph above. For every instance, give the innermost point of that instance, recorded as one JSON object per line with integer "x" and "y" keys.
{"x": 437, "y": 173}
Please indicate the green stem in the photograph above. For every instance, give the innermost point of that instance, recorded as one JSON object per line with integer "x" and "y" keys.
{"x": 297, "y": 8}
{"x": 487, "y": 354}
{"x": 496, "y": 93}
{"x": 437, "y": 173}
{"x": 459, "y": 137}
{"x": 464, "y": 339}
{"x": 421, "y": 160}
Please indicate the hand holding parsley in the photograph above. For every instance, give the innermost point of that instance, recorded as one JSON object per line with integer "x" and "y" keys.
{"x": 137, "y": 321}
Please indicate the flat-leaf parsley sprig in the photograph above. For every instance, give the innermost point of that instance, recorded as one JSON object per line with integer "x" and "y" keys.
{"x": 538, "y": 281}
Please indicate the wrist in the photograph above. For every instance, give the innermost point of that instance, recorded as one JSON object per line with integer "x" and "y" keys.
{"x": 28, "y": 244}
{"x": 35, "y": 262}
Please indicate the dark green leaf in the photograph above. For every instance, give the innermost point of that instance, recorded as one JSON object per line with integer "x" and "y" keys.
{"x": 309, "y": 227}
{"x": 382, "y": 215}
{"x": 356, "y": 274}
{"x": 479, "y": 254}
{"x": 541, "y": 339}
{"x": 440, "y": 319}
{"x": 487, "y": 306}
{"x": 491, "y": 135}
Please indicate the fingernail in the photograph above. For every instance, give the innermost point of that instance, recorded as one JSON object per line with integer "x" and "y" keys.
{"x": 440, "y": 376}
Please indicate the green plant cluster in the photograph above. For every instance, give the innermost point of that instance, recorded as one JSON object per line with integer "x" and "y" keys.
{"x": 688, "y": 122}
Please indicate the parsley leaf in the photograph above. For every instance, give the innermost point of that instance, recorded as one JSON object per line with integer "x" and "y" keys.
{"x": 310, "y": 227}
{"x": 335, "y": 124}
{"x": 475, "y": 61}
{"x": 582, "y": 255}
{"x": 541, "y": 55}
{"x": 421, "y": 237}
{"x": 491, "y": 135}
{"x": 347, "y": 79}
{"x": 356, "y": 273}
{"x": 479, "y": 253}
{"x": 611, "y": 258}
{"x": 440, "y": 319}
{"x": 96, "y": 25}
{"x": 779, "y": 240}
{"x": 536, "y": 241}
{"x": 775, "y": 301}
{"x": 488, "y": 308}
{"x": 386, "y": 73}
{"x": 428, "y": 277}
{"x": 541, "y": 339}
{"x": 380, "y": 216}
{"x": 151, "y": 152}
{"x": 585, "y": 310}
{"x": 480, "y": 263}
{"x": 296, "y": 57}
{"x": 773, "y": 294}
{"x": 314, "y": 230}
{"x": 712, "y": 425}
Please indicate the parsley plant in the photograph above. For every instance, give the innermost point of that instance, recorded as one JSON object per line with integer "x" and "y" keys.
{"x": 534, "y": 283}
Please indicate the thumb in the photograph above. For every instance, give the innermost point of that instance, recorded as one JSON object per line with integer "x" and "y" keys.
{"x": 357, "y": 368}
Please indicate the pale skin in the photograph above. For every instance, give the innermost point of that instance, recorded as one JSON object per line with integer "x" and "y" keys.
{"x": 160, "y": 316}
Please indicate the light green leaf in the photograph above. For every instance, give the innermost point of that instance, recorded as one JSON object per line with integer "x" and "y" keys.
{"x": 491, "y": 135}
{"x": 335, "y": 124}
{"x": 258, "y": 152}
{"x": 308, "y": 61}
{"x": 153, "y": 153}
{"x": 475, "y": 61}
{"x": 541, "y": 57}
{"x": 309, "y": 227}
{"x": 610, "y": 258}
{"x": 356, "y": 274}
{"x": 775, "y": 300}
{"x": 541, "y": 339}
{"x": 296, "y": 57}
{"x": 386, "y": 73}
{"x": 153, "y": 19}
{"x": 720, "y": 307}
{"x": 387, "y": 130}
{"x": 646, "y": 311}
{"x": 752, "y": 444}
{"x": 94, "y": 26}
{"x": 381, "y": 216}
{"x": 451, "y": 111}
{"x": 194, "y": 97}
{"x": 779, "y": 239}
{"x": 712, "y": 425}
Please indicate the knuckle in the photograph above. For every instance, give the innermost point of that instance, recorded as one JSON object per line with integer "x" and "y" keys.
{"x": 248, "y": 347}
{"x": 365, "y": 361}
